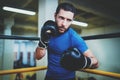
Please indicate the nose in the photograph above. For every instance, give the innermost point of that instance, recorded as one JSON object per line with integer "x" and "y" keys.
{"x": 64, "y": 22}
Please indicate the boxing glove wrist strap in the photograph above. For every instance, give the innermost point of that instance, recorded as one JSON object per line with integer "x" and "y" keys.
{"x": 42, "y": 44}
{"x": 88, "y": 62}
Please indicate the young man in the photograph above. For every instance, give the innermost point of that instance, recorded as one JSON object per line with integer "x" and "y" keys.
{"x": 65, "y": 38}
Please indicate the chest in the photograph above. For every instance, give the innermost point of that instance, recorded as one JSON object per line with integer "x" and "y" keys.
{"x": 60, "y": 44}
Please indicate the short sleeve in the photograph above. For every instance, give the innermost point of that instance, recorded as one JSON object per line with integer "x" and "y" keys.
{"x": 78, "y": 42}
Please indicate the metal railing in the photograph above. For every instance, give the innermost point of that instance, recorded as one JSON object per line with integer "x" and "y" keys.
{"x": 93, "y": 71}
{"x": 101, "y": 36}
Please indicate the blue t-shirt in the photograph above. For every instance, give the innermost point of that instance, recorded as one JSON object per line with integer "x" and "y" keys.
{"x": 56, "y": 47}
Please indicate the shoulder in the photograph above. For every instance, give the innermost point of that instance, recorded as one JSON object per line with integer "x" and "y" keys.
{"x": 72, "y": 32}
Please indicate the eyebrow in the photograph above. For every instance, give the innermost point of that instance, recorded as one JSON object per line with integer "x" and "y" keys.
{"x": 64, "y": 18}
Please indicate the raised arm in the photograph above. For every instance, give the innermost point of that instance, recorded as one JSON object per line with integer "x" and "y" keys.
{"x": 48, "y": 30}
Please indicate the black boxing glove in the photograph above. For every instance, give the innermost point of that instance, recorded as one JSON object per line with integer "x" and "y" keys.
{"x": 47, "y": 31}
{"x": 72, "y": 59}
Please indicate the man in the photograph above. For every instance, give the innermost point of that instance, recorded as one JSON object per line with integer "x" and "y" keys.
{"x": 64, "y": 39}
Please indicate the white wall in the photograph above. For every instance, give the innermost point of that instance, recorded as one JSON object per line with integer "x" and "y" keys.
{"x": 106, "y": 50}
{"x": 100, "y": 30}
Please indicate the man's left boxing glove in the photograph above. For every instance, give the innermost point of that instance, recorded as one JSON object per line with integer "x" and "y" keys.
{"x": 73, "y": 59}
{"x": 47, "y": 31}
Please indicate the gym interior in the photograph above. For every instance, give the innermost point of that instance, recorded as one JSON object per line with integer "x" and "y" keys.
{"x": 20, "y": 33}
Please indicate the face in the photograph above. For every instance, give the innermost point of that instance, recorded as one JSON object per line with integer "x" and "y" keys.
{"x": 63, "y": 20}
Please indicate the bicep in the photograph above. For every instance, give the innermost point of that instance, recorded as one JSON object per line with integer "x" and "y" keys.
{"x": 79, "y": 43}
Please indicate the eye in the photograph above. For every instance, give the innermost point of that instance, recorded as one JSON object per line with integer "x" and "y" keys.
{"x": 69, "y": 20}
{"x": 62, "y": 18}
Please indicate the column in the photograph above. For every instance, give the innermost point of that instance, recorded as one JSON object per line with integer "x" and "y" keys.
{"x": 8, "y": 54}
{"x": 46, "y": 12}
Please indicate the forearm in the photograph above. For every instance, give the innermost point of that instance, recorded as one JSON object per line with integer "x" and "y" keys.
{"x": 47, "y": 31}
{"x": 94, "y": 61}
{"x": 40, "y": 53}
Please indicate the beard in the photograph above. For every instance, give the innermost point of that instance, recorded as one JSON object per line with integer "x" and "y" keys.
{"x": 62, "y": 29}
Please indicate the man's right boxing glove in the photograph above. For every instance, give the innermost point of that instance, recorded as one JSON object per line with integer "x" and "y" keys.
{"x": 72, "y": 59}
{"x": 47, "y": 31}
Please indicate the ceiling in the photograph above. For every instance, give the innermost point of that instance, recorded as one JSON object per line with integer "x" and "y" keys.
{"x": 97, "y": 13}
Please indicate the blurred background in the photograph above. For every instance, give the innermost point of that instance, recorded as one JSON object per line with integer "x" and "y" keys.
{"x": 19, "y": 34}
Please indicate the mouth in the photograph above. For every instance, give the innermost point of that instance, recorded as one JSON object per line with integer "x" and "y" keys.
{"x": 61, "y": 30}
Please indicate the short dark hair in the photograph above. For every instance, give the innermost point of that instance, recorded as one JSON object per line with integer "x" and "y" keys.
{"x": 66, "y": 7}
